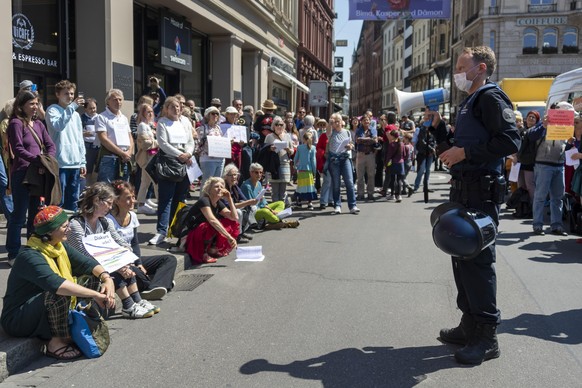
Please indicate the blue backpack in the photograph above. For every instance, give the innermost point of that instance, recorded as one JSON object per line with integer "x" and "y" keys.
{"x": 88, "y": 330}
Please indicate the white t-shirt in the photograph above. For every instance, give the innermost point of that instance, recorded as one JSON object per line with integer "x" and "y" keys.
{"x": 116, "y": 127}
{"x": 126, "y": 232}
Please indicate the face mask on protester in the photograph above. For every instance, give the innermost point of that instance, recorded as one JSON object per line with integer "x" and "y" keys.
{"x": 461, "y": 81}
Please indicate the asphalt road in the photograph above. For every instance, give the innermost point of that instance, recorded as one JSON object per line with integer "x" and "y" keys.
{"x": 347, "y": 301}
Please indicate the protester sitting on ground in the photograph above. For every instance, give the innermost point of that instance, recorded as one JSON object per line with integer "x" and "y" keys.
{"x": 48, "y": 278}
{"x": 114, "y": 135}
{"x": 213, "y": 225}
{"x": 28, "y": 139}
{"x": 94, "y": 205}
{"x": 246, "y": 208}
{"x": 174, "y": 135}
{"x": 279, "y": 183}
{"x": 147, "y": 147}
{"x": 154, "y": 274}
{"x": 306, "y": 166}
{"x": 266, "y": 213}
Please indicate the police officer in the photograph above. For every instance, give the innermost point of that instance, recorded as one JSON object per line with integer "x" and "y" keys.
{"x": 486, "y": 132}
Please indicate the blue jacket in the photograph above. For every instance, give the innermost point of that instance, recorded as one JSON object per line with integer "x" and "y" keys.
{"x": 65, "y": 128}
{"x": 305, "y": 158}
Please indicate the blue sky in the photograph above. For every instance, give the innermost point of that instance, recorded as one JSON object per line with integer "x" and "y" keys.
{"x": 346, "y": 29}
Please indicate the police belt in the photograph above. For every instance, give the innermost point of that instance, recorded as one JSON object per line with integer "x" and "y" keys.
{"x": 486, "y": 187}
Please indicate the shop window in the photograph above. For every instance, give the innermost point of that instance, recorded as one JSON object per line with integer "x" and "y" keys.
{"x": 530, "y": 41}
{"x": 550, "y": 41}
{"x": 570, "y": 41}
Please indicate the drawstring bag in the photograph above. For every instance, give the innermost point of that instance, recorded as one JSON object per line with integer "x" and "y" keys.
{"x": 88, "y": 330}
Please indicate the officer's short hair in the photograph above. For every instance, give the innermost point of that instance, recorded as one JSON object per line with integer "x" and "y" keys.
{"x": 482, "y": 54}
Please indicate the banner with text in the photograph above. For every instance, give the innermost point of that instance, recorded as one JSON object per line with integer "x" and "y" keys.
{"x": 399, "y": 9}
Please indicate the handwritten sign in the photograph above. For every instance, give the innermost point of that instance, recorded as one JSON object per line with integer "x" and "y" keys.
{"x": 219, "y": 147}
{"x": 560, "y": 124}
{"x": 107, "y": 251}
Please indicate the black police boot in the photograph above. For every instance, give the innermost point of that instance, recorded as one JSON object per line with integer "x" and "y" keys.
{"x": 460, "y": 334}
{"x": 482, "y": 346}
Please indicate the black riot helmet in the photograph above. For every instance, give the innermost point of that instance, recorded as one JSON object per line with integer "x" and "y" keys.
{"x": 461, "y": 232}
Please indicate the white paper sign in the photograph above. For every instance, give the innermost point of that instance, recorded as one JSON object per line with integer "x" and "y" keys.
{"x": 177, "y": 133}
{"x": 285, "y": 213}
{"x": 107, "y": 252}
{"x": 219, "y": 147}
{"x": 193, "y": 170}
{"x": 249, "y": 253}
{"x": 342, "y": 147}
{"x": 514, "y": 172}
{"x": 280, "y": 145}
{"x": 121, "y": 135}
{"x": 569, "y": 160}
{"x": 237, "y": 133}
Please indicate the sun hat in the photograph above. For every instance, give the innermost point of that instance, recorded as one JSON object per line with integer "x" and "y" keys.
{"x": 231, "y": 109}
{"x": 211, "y": 109}
{"x": 268, "y": 105}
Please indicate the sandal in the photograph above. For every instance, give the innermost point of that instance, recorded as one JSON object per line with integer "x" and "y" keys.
{"x": 59, "y": 354}
{"x": 206, "y": 258}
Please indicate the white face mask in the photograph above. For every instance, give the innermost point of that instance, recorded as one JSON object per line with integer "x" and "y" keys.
{"x": 461, "y": 81}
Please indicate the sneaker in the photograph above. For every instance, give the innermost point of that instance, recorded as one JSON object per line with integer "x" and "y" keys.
{"x": 310, "y": 207}
{"x": 137, "y": 312}
{"x": 157, "y": 239}
{"x": 539, "y": 231}
{"x": 411, "y": 191}
{"x": 322, "y": 207}
{"x": 151, "y": 203}
{"x": 389, "y": 198}
{"x": 291, "y": 223}
{"x": 146, "y": 209}
{"x": 151, "y": 307}
{"x": 355, "y": 210}
{"x": 559, "y": 232}
{"x": 156, "y": 293}
{"x": 246, "y": 236}
{"x": 337, "y": 210}
{"x": 398, "y": 198}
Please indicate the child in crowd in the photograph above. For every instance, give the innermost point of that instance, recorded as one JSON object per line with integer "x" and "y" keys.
{"x": 304, "y": 161}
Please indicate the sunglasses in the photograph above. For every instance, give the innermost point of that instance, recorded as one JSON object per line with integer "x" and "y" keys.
{"x": 214, "y": 113}
{"x": 279, "y": 124}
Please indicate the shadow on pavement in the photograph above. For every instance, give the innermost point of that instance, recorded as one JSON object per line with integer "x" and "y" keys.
{"x": 562, "y": 327}
{"x": 557, "y": 250}
{"x": 366, "y": 367}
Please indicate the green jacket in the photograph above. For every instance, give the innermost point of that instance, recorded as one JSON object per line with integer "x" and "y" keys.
{"x": 23, "y": 311}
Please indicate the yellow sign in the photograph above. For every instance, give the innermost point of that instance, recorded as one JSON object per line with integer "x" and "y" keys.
{"x": 559, "y": 132}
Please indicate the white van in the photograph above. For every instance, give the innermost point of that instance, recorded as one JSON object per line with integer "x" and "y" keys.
{"x": 567, "y": 87}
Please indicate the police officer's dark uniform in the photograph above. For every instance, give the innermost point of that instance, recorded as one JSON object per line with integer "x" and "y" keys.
{"x": 486, "y": 130}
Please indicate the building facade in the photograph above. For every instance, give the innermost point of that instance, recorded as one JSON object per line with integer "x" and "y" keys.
{"x": 315, "y": 48}
{"x": 203, "y": 49}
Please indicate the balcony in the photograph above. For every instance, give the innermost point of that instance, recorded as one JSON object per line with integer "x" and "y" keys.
{"x": 493, "y": 10}
{"x": 471, "y": 19}
{"x": 537, "y": 8}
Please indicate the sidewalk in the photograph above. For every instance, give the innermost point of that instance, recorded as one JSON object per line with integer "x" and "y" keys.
{"x": 16, "y": 353}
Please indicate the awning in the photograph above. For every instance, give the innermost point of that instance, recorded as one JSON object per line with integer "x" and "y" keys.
{"x": 291, "y": 79}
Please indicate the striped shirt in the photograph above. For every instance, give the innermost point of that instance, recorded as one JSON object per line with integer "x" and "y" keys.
{"x": 336, "y": 139}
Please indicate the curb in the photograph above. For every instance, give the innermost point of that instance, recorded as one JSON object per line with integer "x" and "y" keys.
{"x": 17, "y": 353}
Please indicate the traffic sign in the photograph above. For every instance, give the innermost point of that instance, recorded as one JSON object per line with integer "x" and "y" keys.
{"x": 338, "y": 61}
{"x": 338, "y": 76}
{"x": 341, "y": 43}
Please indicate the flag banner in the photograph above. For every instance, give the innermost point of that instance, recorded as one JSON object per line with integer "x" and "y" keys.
{"x": 399, "y": 9}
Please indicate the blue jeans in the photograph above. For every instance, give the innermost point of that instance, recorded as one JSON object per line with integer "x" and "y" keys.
{"x": 170, "y": 193}
{"x": 70, "y": 184}
{"x": 548, "y": 179}
{"x": 6, "y": 205}
{"x": 23, "y": 203}
{"x": 211, "y": 168}
{"x": 109, "y": 169}
{"x": 325, "y": 192}
{"x": 423, "y": 169}
{"x": 342, "y": 168}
